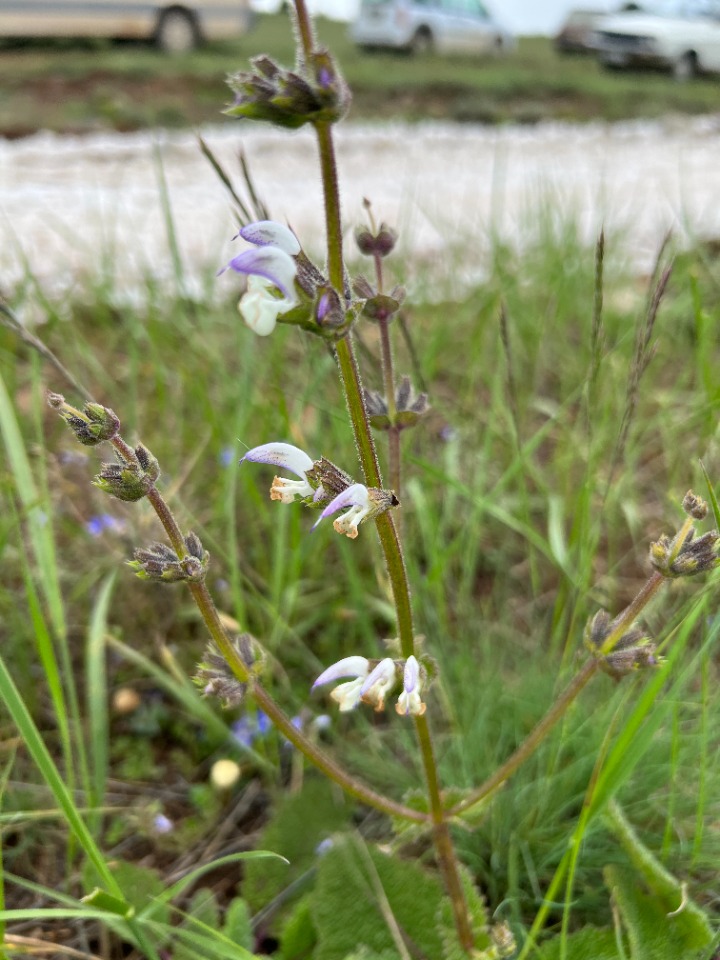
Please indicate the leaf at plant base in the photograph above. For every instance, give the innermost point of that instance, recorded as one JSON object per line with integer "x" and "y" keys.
{"x": 361, "y": 894}
{"x": 666, "y": 888}
{"x": 237, "y": 926}
{"x": 299, "y": 824}
{"x": 202, "y": 907}
{"x": 651, "y": 933}
{"x": 452, "y": 948}
{"x": 364, "y": 954}
{"x": 298, "y": 936}
{"x": 590, "y": 943}
{"x": 140, "y": 885}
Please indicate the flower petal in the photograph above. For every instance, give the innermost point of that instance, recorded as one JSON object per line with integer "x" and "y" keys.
{"x": 281, "y": 455}
{"x": 260, "y": 310}
{"x": 269, "y": 233}
{"x": 272, "y": 263}
{"x": 411, "y": 674}
{"x": 356, "y": 495}
{"x": 383, "y": 675}
{"x": 349, "y": 667}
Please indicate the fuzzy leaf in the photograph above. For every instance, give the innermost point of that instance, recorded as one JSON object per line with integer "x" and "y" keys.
{"x": 237, "y": 924}
{"x": 667, "y": 890}
{"x": 590, "y": 943}
{"x": 651, "y": 933}
{"x": 299, "y": 936}
{"x": 452, "y": 948}
{"x": 362, "y": 895}
{"x": 300, "y": 823}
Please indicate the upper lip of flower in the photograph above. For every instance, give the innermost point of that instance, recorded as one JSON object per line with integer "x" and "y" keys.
{"x": 290, "y": 458}
{"x": 347, "y": 667}
{"x": 357, "y": 497}
{"x": 265, "y": 233}
{"x": 271, "y": 263}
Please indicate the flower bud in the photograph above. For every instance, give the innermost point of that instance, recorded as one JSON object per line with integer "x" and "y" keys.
{"x": 695, "y": 555}
{"x": 91, "y": 425}
{"x": 693, "y": 505}
{"x": 161, "y": 563}
{"x": 632, "y": 651}
{"x": 379, "y": 244}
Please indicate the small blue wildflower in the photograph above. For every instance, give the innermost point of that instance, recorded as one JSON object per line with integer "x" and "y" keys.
{"x": 264, "y": 723}
{"x": 163, "y": 824}
{"x": 97, "y": 525}
{"x": 226, "y": 456}
{"x": 323, "y": 847}
{"x": 243, "y": 732}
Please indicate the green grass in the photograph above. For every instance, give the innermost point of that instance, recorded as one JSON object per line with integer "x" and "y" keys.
{"x": 519, "y": 522}
{"x": 128, "y": 86}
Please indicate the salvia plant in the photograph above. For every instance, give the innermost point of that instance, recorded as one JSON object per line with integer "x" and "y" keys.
{"x": 282, "y": 285}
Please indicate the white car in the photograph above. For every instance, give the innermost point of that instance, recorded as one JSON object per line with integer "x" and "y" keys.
{"x": 422, "y": 26}
{"x": 680, "y": 36}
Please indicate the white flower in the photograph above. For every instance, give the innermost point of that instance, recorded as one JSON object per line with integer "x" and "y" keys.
{"x": 271, "y": 269}
{"x": 260, "y": 307}
{"x": 290, "y": 458}
{"x": 347, "y": 695}
{"x": 379, "y": 683}
{"x": 358, "y": 498}
{"x": 409, "y": 701}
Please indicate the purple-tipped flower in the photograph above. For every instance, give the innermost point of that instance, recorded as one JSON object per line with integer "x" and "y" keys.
{"x": 379, "y": 683}
{"x": 270, "y": 269}
{"x": 409, "y": 701}
{"x": 290, "y": 458}
{"x": 268, "y": 233}
{"x": 364, "y": 502}
{"x": 346, "y": 695}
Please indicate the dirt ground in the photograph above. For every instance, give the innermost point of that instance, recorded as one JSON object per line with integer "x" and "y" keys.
{"x": 76, "y": 208}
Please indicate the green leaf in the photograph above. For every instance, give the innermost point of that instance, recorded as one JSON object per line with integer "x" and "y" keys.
{"x": 298, "y": 937}
{"x": 651, "y": 933}
{"x": 452, "y": 948}
{"x": 238, "y": 926}
{"x": 711, "y": 496}
{"x": 169, "y": 894}
{"x": 365, "y": 898}
{"x": 300, "y": 823}
{"x": 667, "y": 889}
{"x": 590, "y": 943}
{"x": 104, "y": 901}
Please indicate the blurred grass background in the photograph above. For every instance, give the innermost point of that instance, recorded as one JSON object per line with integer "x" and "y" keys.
{"x": 101, "y": 85}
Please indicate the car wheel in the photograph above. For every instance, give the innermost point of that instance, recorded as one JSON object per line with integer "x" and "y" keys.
{"x": 177, "y": 32}
{"x": 422, "y": 43}
{"x": 685, "y": 67}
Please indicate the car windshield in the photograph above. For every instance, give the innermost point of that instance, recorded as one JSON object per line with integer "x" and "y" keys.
{"x": 683, "y": 8}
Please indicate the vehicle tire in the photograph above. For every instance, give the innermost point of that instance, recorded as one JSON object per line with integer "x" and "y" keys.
{"x": 422, "y": 44}
{"x": 177, "y": 32}
{"x": 685, "y": 67}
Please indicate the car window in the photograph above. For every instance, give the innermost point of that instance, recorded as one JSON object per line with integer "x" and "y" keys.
{"x": 467, "y": 8}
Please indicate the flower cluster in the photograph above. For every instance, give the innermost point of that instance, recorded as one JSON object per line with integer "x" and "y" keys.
{"x": 634, "y": 650}
{"x": 323, "y": 484}
{"x": 374, "y": 681}
{"x": 290, "y": 98}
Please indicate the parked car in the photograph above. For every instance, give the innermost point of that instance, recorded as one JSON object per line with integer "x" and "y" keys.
{"x": 175, "y": 25}
{"x": 678, "y": 35}
{"x": 422, "y": 26}
{"x": 577, "y": 32}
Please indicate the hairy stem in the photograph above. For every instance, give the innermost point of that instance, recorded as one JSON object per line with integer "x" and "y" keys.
{"x": 388, "y": 372}
{"x": 389, "y": 539}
